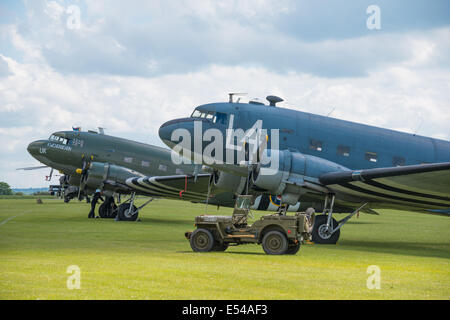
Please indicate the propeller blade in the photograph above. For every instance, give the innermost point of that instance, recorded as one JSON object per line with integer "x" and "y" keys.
{"x": 49, "y": 177}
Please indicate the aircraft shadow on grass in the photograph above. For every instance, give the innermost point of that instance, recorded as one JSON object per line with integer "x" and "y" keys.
{"x": 419, "y": 249}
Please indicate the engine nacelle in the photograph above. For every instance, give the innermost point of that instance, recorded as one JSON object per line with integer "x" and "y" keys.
{"x": 108, "y": 176}
{"x": 285, "y": 174}
{"x": 229, "y": 182}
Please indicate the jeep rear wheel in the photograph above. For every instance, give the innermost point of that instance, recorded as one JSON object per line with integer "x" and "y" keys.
{"x": 275, "y": 242}
{"x": 220, "y": 246}
{"x": 293, "y": 248}
{"x": 201, "y": 240}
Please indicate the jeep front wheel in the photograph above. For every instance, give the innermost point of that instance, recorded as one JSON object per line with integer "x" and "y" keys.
{"x": 201, "y": 240}
{"x": 275, "y": 242}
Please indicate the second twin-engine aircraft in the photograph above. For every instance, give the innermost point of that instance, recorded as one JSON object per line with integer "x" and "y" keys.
{"x": 93, "y": 161}
{"x": 263, "y": 149}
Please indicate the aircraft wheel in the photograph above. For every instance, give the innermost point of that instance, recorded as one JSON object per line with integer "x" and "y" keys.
{"x": 103, "y": 211}
{"x": 201, "y": 240}
{"x": 319, "y": 232}
{"x": 112, "y": 213}
{"x": 293, "y": 248}
{"x": 275, "y": 242}
{"x": 124, "y": 212}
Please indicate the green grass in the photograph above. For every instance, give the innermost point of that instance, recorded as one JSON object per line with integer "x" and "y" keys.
{"x": 152, "y": 259}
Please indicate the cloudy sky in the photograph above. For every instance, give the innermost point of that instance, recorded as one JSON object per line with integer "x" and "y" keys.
{"x": 128, "y": 66}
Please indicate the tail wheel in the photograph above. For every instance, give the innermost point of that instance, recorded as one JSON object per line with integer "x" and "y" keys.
{"x": 275, "y": 242}
{"x": 320, "y": 234}
{"x": 202, "y": 240}
{"x": 125, "y": 214}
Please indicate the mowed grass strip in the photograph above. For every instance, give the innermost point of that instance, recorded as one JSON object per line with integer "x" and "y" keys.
{"x": 152, "y": 259}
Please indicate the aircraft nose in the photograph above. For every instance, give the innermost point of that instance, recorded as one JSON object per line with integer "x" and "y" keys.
{"x": 167, "y": 128}
{"x": 34, "y": 147}
{"x": 165, "y": 131}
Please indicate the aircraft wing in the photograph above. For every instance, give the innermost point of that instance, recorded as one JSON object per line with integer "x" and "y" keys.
{"x": 176, "y": 186}
{"x": 425, "y": 185}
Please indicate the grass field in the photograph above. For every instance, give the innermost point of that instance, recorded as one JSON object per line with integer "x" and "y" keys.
{"x": 152, "y": 259}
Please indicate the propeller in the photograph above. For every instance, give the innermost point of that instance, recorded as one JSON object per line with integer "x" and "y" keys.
{"x": 84, "y": 173}
{"x": 49, "y": 177}
{"x": 210, "y": 186}
{"x": 261, "y": 146}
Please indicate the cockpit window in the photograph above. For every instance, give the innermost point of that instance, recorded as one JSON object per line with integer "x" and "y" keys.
{"x": 196, "y": 114}
{"x": 59, "y": 139}
{"x": 215, "y": 117}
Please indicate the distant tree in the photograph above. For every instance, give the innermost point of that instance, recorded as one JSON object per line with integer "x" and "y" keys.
{"x": 19, "y": 193}
{"x": 5, "y": 189}
{"x": 41, "y": 193}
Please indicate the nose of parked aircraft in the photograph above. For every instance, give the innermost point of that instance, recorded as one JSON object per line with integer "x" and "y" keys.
{"x": 35, "y": 147}
{"x": 166, "y": 129}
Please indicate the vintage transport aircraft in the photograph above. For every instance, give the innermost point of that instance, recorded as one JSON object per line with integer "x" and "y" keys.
{"x": 322, "y": 159}
{"x": 91, "y": 160}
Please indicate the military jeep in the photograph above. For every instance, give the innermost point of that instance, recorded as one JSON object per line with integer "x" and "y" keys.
{"x": 277, "y": 233}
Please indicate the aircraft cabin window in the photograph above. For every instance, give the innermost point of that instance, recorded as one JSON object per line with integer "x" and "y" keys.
{"x": 315, "y": 145}
{"x": 398, "y": 161}
{"x": 371, "y": 156}
{"x": 343, "y": 151}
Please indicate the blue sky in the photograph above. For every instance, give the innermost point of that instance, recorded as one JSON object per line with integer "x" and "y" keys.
{"x": 132, "y": 65}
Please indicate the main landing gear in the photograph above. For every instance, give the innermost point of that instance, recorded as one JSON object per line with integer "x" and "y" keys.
{"x": 108, "y": 209}
{"x": 127, "y": 211}
{"x": 326, "y": 229}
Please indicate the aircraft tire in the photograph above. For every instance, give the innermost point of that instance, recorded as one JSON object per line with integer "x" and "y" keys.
{"x": 103, "y": 211}
{"x": 318, "y": 236}
{"x": 124, "y": 215}
{"x": 293, "y": 248}
{"x": 275, "y": 243}
{"x": 201, "y": 240}
{"x": 113, "y": 212}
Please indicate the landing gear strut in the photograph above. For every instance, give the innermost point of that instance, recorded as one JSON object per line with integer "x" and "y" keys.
{"x": 326, "y": 229}
{"x": 127, "y": 211}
